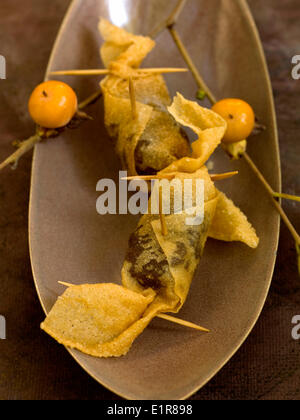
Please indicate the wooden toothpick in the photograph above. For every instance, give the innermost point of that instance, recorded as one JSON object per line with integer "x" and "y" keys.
{"x": 162, "y": 216}
{"x": 103, "y": 72}
{"x": 163, "y": 70}
{"x": 148, "y": 177}
{"x": 287, "y": 196}
{"x": 162, "y": 316}
{"x": 66, "y": 284}
{"x": 91, "y": 72}
{"x": 220, "y": 177}
{"x": 214, "y": 177}
{"x": 182, "y": 322}
{"x": 132, "y": 99}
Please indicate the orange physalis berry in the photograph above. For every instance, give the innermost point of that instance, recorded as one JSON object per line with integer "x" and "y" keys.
{"x": 239, "y": 116}
{"x": 53, "y": 104}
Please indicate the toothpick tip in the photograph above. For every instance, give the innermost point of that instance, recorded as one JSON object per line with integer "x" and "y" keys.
{"x": 183, "y": 323}
{"x": 65, "y": 284}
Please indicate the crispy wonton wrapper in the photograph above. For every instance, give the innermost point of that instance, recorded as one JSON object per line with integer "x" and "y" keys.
{"x": 167, "y": 263}
{"x": 229, "y": 224}
{"x": 209, "y": 127}
{"x": 103, "y": 320}
{"x": 158, "y": 140}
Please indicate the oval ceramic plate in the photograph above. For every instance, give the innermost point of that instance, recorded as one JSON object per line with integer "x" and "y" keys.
{"x": 70, "y": 242}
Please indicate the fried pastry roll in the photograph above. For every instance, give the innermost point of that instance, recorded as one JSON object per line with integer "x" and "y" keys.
{"x": 153, "y": 140}
{"x": 104, "y": 320}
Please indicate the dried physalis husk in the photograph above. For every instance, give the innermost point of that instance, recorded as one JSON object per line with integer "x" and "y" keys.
{"x": 235, "y": 150}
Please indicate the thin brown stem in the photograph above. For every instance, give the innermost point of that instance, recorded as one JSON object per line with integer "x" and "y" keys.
{"x": 202, "y": 85}
{"x": 23, "y": 148}
{"x": 259, "y": 175}
{"x": 26, "y": 145}
{"x": 298, "y": 254}
{"x": 271, "y": 193}
{"x": 188, "y": 59}
{"x": 90, "y": 100}
{"x": 171, "y": 20}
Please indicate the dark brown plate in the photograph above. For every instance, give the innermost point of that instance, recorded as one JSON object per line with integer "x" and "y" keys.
{"x": 70, "y": 242}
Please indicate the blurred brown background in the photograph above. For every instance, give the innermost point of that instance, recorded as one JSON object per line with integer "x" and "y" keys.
{"x": 32, "y": 365}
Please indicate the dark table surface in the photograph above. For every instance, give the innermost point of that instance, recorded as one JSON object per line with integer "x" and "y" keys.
{"x": 33, "y": 366}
